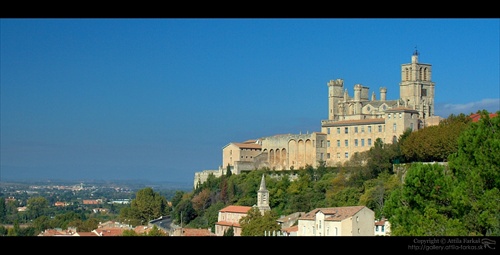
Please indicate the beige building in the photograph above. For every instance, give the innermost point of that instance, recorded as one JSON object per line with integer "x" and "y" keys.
{"x": 337, "y": 221}
{"x": 353, "y": 125}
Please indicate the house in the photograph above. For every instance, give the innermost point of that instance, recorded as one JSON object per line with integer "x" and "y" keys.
{"x": 289, "y": 220}
{"x": 68, "y": 232}
{"x": 338, "y": 221}
{"x": 382, "y": 227}
{"x": 60, "y": 204}
{"x": 290, "y": 231}
{"x": 230, "y": 216}
{"x": 92, "y": 201}
{"x": 192, "y": 232}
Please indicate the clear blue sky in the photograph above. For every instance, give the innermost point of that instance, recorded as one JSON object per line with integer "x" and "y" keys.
{"x": 158, "y": 99}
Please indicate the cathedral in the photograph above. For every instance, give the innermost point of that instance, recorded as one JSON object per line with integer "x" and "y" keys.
{"x": 354, "y": 124}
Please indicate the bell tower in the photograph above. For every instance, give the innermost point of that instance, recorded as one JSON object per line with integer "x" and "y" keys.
{"x": 263, "y": 197}
{"x": 416, "y": 88}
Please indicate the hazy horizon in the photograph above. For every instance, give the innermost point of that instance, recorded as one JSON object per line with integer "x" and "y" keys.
{"x": 158, "y": 99}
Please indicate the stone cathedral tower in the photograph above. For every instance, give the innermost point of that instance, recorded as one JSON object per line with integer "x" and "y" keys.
{"x": 263, "y": 197}
{"x": 416, "y": 88}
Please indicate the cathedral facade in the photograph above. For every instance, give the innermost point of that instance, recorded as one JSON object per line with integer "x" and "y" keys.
{"x": 354, "y": 124}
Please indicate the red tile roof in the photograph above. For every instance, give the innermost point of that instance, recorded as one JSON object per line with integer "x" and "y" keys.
{"x": 476, "y": 116}
{"x": 110, "y": 231}
{"x": 236, "y": 209}
{"x": 196, "y": 232}
{"x": 333, "y": 213}
{"x": 86, "y": 234}
{"x": 291, "y": 229}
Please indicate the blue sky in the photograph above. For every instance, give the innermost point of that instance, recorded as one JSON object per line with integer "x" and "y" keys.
{"x": 158, "y": 99}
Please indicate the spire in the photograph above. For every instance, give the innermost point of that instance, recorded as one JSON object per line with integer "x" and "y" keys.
{"x": 263, "y": 197}
{"x": 262, "y": 183}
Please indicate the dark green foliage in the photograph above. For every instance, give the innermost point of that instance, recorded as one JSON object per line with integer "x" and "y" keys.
{"x": 177, "y": 198}
{"x": 37, "y": 207}
{"x": 461, "y": 199}
{"x": 3, "y": 210}
{"x": 423, "y": 206}
{"x": 228, "y": 171}
{"x": 381, "y": 157}
{"x": 155, "y": 231}
{"x": 434, "y": 143}
{"x": 229, "y": 232}
{"x": 147, "y": 205}
{"x": 476, "y": 165}
{"x": 256, "y": 224}
{"x": 3, "y": 231}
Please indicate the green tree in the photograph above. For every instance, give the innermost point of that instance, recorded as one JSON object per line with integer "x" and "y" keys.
{"x": 63, "y": 220}
{"x": 37, "y": 206}
{"x": 3, "y": 230}
{"x": 476, "y": 165}
{"x": 129, "y": 232}
{"x": 3, "y": 210}
{"x": 256, "y": 224}
{"x": 155, "y": 231}
{"x": 377, "y": 191}
{"x": 380, "y": 157}
{"x": 84, "y": 226}
{"x": 435, "y": 143}
{"x": 41, "y": 223}
{"x": 184, "y": 212}
{"x": 229, "y": 231}
{"x": 148, "y": 205}
{"x": 177, "y": 197}
{"x": 423, "y": 206}
{"x": 14, "y": 231}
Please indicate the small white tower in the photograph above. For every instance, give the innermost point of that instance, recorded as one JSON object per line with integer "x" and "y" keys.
{"x": 263, "y": 197}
